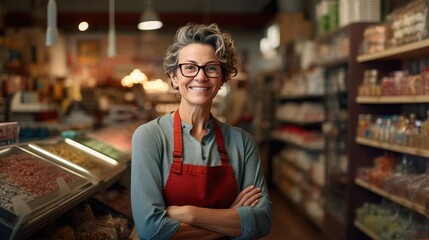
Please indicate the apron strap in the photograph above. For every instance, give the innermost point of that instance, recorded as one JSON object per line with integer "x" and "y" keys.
{"x": 220, "y": 143}
{"x": 177, "y": 153}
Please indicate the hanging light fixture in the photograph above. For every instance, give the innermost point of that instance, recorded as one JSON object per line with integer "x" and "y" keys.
{"x": 149, "y": 19}
{"x": 111, "y": 36}
{"x": 52, "y": 31}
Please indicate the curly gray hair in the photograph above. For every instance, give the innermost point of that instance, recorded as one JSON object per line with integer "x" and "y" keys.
{"x": 220, "y": 40}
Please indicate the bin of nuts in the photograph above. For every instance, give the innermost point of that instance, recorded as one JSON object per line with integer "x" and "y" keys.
{"x": 90, "y": 162}
{"x": 31, "y": 177}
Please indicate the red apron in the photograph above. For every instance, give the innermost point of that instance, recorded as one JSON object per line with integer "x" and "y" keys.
{"x": 202, "y": 186}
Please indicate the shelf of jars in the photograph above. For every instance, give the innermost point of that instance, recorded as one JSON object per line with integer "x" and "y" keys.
{"x": 393, "y": 147}
{"x": 411, "y": 50}
{"x": 390, "y": 221}
{"x": 418, "y": 208}
{"x": 402, "y": 35}
{"x": 392, "y": 99}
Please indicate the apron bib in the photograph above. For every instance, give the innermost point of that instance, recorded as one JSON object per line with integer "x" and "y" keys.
{"x": 202, "y": 186}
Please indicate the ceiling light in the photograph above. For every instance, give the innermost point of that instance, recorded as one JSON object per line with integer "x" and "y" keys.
{"x": 149, "y": 19}
{"x": 83, "y": 26}
{"x": 52, "y": 31}
{"x": 111, "y": 35}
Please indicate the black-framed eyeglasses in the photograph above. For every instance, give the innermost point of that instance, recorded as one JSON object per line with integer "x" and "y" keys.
{"x": 191, "y": 70}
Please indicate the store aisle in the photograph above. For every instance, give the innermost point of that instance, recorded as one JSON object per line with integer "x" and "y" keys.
{"x": 288, "y": 223}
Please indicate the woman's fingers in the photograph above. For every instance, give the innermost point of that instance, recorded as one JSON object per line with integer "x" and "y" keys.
{"x": 246, "y": 191}
{"x": 252, "y": 200}
{"x": 247, "y": 197}
{"x": 238, "y": 200}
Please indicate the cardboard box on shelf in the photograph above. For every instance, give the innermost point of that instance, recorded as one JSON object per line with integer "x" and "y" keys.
{"x": 293, "y": 26}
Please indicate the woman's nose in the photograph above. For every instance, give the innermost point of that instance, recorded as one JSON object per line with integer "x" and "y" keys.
{"x": 201, "y": 75}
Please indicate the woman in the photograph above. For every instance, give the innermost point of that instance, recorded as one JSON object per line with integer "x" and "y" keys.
{"x": 192, "y": 176}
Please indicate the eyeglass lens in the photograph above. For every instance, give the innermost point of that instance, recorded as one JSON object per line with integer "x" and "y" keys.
{"x": 191, "y": 70}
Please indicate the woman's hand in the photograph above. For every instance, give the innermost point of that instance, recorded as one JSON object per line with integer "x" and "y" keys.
{"x": 180, "y": 213}
{"x": 248, "y": 197}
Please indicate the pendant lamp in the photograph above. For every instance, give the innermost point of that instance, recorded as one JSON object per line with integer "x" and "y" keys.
{"x": 149, "y": 20}
{"x": 111, "y": 36}
{"x": 52, "y": 31}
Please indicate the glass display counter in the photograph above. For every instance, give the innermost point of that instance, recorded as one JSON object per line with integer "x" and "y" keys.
{"x": 100, "y": 167}
{"x": 31, "y": 184}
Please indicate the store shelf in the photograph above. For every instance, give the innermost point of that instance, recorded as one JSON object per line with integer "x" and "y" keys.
{"x": 334, "y": 62}
{"x": 366, "y": 230}
{"x": 412, "y": 50}
{"x": 393, "y": 147}
{"x": 287, "y": 139}
{"x": 392, "y": 99}
{"x": 299, "y": 122}
{"x": 300, "y": 97}
{"x": 302, "y": 173}
{"x": 399, "y": 200}
{"x": 300, "y": 202}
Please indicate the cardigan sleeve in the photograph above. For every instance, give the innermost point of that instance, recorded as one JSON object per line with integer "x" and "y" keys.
{"x": 256, "y": 221}
{"x": 148, "y": 208}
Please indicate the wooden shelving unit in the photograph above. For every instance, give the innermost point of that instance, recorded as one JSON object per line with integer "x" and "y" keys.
{"x": 393, "y": 147}
{"x": 339, "y": 186}
{"x": 381, "y": 105}
{"x": 392, "y": 99}
{"x": 416, "y": 49}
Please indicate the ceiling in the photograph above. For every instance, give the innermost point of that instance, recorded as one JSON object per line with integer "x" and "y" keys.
{"x": 244, "y": 14}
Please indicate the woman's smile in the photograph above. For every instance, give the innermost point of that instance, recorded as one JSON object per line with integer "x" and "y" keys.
{"x": 199, "y": 88}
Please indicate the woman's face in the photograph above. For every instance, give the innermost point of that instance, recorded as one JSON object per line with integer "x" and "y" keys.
{"x": 198, "y": 90}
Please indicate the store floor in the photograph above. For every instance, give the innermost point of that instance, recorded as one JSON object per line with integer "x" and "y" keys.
{"x": 289, "y": 223}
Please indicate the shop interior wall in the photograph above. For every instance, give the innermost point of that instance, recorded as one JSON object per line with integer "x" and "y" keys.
{"x": 144, "y": 50}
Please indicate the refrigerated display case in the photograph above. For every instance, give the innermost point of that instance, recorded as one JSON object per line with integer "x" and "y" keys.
{"x": 31, "y": 185}
{"x": 61, "y": 173}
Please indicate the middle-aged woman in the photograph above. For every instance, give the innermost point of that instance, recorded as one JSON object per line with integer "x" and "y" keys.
{"x": 194, "y": 177}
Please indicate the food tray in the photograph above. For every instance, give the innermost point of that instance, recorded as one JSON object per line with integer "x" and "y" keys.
{"x": 79, "y": 157}
{"x": 103, "y": 148}
{"x": 31, "y": 184}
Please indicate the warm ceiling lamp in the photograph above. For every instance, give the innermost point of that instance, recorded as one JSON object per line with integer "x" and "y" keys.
{"x": 149, "y": 19}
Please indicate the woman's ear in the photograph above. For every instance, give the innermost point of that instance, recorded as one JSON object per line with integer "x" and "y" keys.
{"x": 174, "y": 80}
